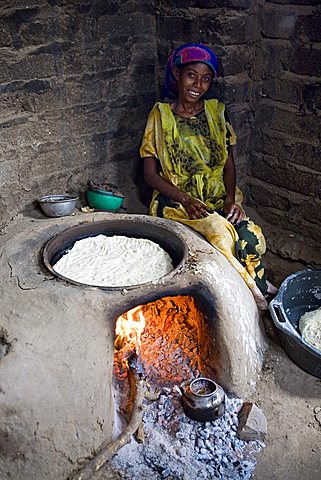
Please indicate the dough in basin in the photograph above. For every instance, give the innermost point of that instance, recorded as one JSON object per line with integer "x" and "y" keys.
{"x": 310, "y": 328}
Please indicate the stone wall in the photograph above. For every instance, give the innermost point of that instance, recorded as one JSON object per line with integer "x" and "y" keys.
{"x": 79, "y": 77}
{"x": 76, "y": 84}
{"x": 231, "y": 28}
{"x": 270, "y": 82}
{"x": 284, "y": 166}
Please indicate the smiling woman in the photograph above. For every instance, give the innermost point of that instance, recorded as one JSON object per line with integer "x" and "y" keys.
{"x": 194, "y": 81}
{"x": 188, "y": 159}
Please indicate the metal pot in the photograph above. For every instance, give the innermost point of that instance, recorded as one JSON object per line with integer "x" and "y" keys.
{"x": 203, "y": 399}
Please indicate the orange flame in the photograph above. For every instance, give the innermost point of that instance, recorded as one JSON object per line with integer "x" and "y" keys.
{"x": 130, "y": 328}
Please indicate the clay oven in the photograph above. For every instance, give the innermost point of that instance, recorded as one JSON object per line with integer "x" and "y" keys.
{"x": 65, "y": 409}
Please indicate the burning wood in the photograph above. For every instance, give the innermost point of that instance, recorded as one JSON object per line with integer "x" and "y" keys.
{"x": 168, "y": 336}
{"x": 164, "y": 342}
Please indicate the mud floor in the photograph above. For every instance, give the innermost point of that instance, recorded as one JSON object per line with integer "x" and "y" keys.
{"x": 291, "y": 400}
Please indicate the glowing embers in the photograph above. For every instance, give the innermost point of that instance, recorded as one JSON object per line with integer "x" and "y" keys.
{"x": 166, "y": 341}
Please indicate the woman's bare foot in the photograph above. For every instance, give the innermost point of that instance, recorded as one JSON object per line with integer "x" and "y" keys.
{"x": 271, "y": 289}
{"x": 260, "y": 301}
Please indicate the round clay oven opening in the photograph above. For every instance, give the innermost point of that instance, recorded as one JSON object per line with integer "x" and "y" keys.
{"x": 166, "y": 239}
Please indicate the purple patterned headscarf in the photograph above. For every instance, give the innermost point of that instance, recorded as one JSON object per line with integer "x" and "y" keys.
{"x": 189, "y": 52}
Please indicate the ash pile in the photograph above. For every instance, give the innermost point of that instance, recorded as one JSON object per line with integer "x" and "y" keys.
{"x": 178, "y": 448}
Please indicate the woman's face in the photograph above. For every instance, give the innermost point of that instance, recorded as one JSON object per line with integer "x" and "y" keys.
{"x": 194, "y": 80}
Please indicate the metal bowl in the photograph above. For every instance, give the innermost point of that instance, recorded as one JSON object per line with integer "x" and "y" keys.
{"x": 57, "y": 205}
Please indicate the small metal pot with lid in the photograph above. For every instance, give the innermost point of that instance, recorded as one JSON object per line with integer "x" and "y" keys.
{"x": 203, "y": 399}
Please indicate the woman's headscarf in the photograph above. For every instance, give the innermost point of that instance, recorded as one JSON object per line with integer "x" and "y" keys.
{"x": 189, "y": 52}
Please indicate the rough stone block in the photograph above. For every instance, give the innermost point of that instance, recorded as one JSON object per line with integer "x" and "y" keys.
{"x": 125, "y": 25}
{"x": 28, "y": 68}
{"x": 278, "y": 24}
{"x": 143, "y": 61}
{"x": 238, "y": 89}
{"x": 16, "y": 17}
{"x": 286, "y": 175}
{"x": 75, "y": 90}
{"x": 8, "y": 173}
{"x": 312, "y": 97}
{"x": 237, "y": 4}
{"x": 309, "y": 26}
{"x": 305, "y": 94}
{"x": 100, "y": 8}
{"x": 295, "y": 2}
{"x": 43, "y": 31}
{"x": 143, "y": 7}
{"x": 252, "y": 423}
{"x": 297, "y": 225}
{"x": 236, "y": 59}
{"x": 241, "y": 152}
{"x": 241, "y": 116}
{"x": 281, "y": 56}
{"x": 232, "y": 29}
{"x": 308, "y": 209}
{"x": 271, "y": 58}
{"x": 186, "y": 29}
{"x": 283, "y": 90}
{"x": 23, "y": 90}
{"x": 6, "y": 34}
{"x": 264, "y": 195}
{"x": 185, "y": 3}
{"x": 303, "y": 61}
{"x": 296, "y": 124}
{"x": 288, "y": 148}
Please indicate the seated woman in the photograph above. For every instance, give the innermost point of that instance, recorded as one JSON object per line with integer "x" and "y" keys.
{"x": 188, "y": 160}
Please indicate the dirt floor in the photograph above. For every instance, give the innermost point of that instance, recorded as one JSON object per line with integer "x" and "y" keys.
{"x": 289, "y": 398}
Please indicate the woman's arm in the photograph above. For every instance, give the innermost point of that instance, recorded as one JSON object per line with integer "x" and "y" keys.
{"x": 233, "y": 212}
{"x": 194, "y": 208}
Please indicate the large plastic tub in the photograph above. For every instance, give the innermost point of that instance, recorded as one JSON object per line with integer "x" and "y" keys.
{"x": 299, "y": 293}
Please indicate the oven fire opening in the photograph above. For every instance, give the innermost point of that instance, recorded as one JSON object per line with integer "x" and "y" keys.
{"x": 162, "y": 351}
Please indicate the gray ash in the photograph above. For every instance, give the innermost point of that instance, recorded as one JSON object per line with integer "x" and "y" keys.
{"x": 178, "y": 448}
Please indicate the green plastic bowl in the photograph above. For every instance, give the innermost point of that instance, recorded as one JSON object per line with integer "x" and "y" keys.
{"x": 102, "y": 200}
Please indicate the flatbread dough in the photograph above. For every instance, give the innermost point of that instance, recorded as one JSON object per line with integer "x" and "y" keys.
{"x": 114, "y": 261}
{"x": 310, "y": 328}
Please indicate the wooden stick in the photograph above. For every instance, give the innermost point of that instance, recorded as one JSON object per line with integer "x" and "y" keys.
{"x": 107, "y": 452}
{"x": 140, "y": 434}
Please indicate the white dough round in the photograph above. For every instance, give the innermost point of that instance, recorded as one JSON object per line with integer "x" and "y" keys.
{"x": 310, "y": 328}
{"x": 114, "y": 261}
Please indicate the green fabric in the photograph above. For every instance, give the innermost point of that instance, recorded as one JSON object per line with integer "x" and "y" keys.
{"x": 197, "y": 152}
{"x": 247, "y": 251}
{"x": 192, "y": 154}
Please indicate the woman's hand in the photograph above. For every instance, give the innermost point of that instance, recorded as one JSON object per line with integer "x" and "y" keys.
{"x": 194, "y": 207}
{"x": 233, "y": 212}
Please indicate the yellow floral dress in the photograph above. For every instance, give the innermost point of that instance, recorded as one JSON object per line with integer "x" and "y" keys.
{"x": 192, "y": 153}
